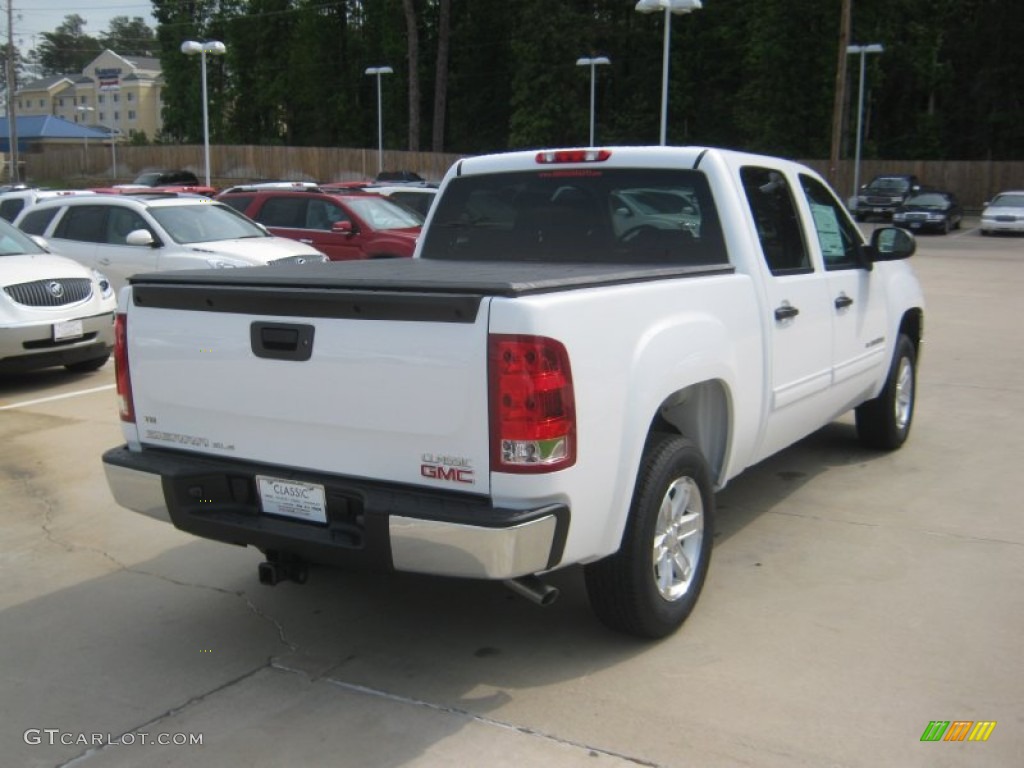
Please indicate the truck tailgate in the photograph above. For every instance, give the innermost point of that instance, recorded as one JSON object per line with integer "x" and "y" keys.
{"x": 370, "y": 384}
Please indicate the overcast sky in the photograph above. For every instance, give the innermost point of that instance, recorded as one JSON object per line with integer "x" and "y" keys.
{"x": 33, "y": 17}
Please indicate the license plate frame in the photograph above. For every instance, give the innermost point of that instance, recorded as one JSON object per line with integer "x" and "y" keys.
{"x": 293, "y": 499}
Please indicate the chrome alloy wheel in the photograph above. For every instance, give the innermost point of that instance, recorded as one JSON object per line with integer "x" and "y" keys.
{"x": 677, "y": 538}
{"x": 903, "y": 403}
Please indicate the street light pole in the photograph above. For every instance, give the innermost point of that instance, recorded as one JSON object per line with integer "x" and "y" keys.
{"x": 669, "y": 6}
{"x": 592, "y": 62}
{"x": 863, "y": 50}
{"x": 113, "y": 142}
{"x": 378, "y": 71}
{"x": 85, "y": 137}
{"x": 191, "y": 48}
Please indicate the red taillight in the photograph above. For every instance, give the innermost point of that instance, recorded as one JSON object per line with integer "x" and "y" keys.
{"x": 533, "y": 410}
{"x": 124, "y": 382}
{"x": 553, "y": 156}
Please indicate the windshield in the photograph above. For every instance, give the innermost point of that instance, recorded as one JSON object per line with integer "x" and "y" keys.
{"x": 627, "y": 216}
{"x": 383, "y": 214}
{"x": 894, "y": 185}
{"x": 13, "y": 242}
{"x": 1009, "y": 201}
{"x": 204, "y": 223}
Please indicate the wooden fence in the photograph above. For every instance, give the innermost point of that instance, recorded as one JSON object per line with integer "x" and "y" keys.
{"x": 973, "y": 182}
{"x": 92, "y": 164}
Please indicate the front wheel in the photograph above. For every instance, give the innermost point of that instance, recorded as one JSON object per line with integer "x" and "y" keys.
{"x": 884, "y": 423}
{"x": 651, "y": 584}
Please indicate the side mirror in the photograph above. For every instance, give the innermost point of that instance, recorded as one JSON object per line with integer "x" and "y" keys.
{"x": 140, "y": 237}
{"x": 890, "y": 244}
{"x": 343, "y": 228}
{"x": 41, "y": 242}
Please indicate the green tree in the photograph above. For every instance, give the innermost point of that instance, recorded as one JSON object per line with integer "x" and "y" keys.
{"x": 67, "y": 49}
{"x": 129, "y": 37}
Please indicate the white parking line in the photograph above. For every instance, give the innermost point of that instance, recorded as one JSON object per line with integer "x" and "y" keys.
{"x": 57, "y": 397}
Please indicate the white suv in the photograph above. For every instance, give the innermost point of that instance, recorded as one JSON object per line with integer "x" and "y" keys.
{"x": 122, "y": 235}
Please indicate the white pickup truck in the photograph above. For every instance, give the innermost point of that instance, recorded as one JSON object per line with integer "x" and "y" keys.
{"x": 586, "y": 346}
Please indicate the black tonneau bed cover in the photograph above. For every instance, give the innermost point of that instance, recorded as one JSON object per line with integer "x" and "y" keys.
{"x": 426, "y": 276}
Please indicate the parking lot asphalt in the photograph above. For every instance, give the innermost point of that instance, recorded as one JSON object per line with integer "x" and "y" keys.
{"x": 853, "y": 599}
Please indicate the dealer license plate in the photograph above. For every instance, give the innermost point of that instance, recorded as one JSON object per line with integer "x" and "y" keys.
{"x": 69, "y": 329}
{"x": 303, "y": 501}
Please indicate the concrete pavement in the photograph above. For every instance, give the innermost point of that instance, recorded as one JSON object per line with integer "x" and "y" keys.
{"x": 853, "y": 598}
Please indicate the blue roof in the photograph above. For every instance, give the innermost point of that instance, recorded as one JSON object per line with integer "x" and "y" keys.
{"x": 34, "y": 128}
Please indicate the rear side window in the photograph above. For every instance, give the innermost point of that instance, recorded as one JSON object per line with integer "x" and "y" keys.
{"x": 36, "y": 222}
{"x": 618, "y": 215}
{"x": 86, "y": 223}
{"x": 775, "y": 217}
{"x": 283, "y": 212}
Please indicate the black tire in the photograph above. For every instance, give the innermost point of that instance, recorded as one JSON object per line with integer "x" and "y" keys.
{"x": 884, "y": 423}
{"x": 87, "y": 366}
{"x": 624, "y": 588}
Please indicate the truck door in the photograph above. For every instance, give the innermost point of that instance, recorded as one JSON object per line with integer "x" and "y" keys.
{"x": 858, "y": 299}
{"x": 799, "y": 323}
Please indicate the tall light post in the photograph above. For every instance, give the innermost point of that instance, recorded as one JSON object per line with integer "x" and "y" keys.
{"x": 85, "y": 136}
{"x": 378, "y": 71}
{"x": 191, "y": 48}
{"x": 863, "y": 50}
{"x": 593, "y": 62}
{"x": 669, "y": 6}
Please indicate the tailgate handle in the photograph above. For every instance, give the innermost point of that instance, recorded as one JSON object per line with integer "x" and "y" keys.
{"x": 282, "y": 341}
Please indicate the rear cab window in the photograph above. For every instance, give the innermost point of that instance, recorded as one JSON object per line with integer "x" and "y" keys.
{"x": 611, "y": 215}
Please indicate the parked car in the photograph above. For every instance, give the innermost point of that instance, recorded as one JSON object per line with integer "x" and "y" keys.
{"x": 125, "y": 234}
{"x": 15, "y": 201}
{"x": 398, "y": 176}
{"x": 929, "y": 211}
{"x": 883, "y": 195}
{"x": 1004, "y": 213}
{"x": 344, "y": 225}
{"x": 53, "y": 311}
{"x": 166, "y": 178}
{"x": 662, "y": 209}
{"x": 419, "y": 197}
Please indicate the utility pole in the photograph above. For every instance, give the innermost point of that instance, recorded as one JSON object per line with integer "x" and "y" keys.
{"x": 12, "y": 122}
{"x": 840, "y": 99}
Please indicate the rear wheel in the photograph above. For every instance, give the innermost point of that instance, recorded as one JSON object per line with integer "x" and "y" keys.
{"x": 884, "y": 423}
{"x": 651, "y": 584}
